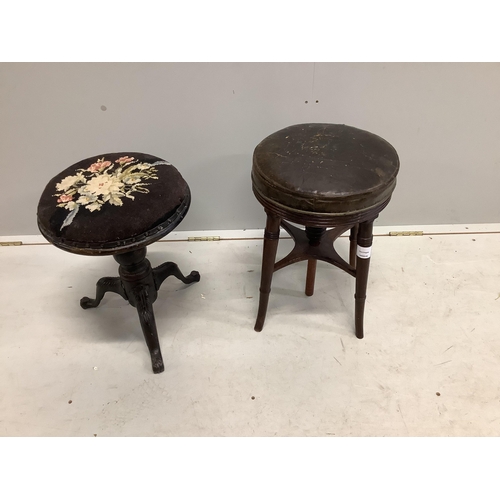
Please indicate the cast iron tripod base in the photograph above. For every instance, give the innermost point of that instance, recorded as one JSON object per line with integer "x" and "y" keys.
{"x": 139, "y": 284}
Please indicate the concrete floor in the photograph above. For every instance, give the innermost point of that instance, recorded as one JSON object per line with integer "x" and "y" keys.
{"x": 429, "y": 364}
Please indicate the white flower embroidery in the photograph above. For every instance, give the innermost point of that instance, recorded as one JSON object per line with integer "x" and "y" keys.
{"x": 85, "y": 199}
{"x": 70, "y": 181}
{"x": 94, "y": 206}
{"x": 104, "y": 182}
{"x": 102, "y": 185}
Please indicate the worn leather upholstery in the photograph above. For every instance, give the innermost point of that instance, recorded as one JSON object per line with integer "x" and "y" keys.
{"x": 325, "y": 168}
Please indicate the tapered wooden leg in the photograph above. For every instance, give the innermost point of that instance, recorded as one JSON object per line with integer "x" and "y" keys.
{"x": 314, "y": 235}
{"x": 271, "y": 238}
{"x": 311, "y": 276}
{"x": 352, "y": 247}
{"x": 363, "y": 253}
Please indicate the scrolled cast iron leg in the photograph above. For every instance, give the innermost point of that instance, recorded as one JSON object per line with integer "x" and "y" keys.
{"x": 104, "y": 285}
{"x": 144, "y": 308}
{"x": 162, "y": 272}
{"x": 271, "y": 239}
{"x": 363, "y": 253}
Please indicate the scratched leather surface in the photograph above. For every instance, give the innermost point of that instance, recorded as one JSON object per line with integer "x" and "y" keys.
{"x": 326, "y": 168}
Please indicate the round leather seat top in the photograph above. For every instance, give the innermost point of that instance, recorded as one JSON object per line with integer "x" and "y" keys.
{"x": 325, "y": 168}
{"x": 111, "y": 200}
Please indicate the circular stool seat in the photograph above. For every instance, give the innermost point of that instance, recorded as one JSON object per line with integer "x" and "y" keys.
{"x": 112, "y": 202}
{"x": 318, "y": 168}
{"x": 117, "y": 204}
{"x": 322, "y": 176}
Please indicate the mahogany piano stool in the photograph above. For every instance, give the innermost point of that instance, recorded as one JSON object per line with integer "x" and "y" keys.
{"x": 331, "y": 179}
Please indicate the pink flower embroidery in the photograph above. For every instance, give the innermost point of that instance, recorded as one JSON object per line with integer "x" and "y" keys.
{"x": 124, "y": 159}
{"x": 65, "y": 198}
{"x": 99, "y": 165}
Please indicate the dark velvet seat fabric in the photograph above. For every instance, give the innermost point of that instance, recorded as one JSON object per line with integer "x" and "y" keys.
{"x": 110, "y": 199}
{"x": 325, "y": 168}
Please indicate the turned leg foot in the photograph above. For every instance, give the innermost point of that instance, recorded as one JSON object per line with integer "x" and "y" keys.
{"x": 104, "y": 285}
{"x": 363, "y": 252}
{"x": 271, "y": 238}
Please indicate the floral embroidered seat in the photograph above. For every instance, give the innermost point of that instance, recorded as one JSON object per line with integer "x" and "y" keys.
{"x": 107, "y": 200}
{"x": 117, "y": 204}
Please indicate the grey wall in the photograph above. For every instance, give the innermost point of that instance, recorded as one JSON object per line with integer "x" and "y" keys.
{"x": 206, "y": 118}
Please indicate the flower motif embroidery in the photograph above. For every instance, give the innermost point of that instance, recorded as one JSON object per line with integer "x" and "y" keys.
{"x": 99, "y": 165}
{"x": 104, "y": 182}
{"x": 65, "y": 198}
{"x": 69, "y": 181}
{"x": 124, "y": 159}
{"x": 104, "y": 185}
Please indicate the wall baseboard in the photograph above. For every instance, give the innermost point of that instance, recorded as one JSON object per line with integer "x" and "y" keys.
{"x": 257, "y": 234}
